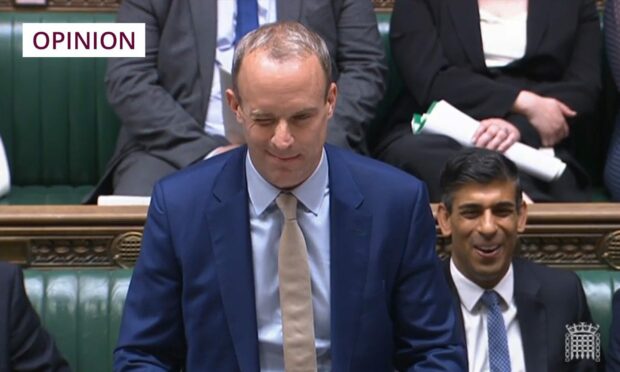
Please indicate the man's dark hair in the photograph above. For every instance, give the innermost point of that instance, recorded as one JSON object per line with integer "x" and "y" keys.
{"x": 477, "y": 166}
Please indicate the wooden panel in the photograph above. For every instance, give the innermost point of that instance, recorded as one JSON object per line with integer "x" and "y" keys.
{"x": 576, "y": 236}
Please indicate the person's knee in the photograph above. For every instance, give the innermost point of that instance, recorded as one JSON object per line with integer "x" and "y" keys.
{"x": 137, "y": 174}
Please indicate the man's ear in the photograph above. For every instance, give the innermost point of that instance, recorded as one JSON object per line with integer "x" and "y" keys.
{"x": 443, "y": 219}
{"x": 233, "y": 103}
{"x": 332, "y": 96}
{"x": 522, "y": 218}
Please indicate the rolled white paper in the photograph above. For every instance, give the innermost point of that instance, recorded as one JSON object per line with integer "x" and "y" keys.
{"x": 5, "y": 174}
{"x": 443, "y": 118}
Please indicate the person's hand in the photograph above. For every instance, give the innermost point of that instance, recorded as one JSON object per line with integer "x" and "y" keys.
{"x": 221, "y": 150}
{"x": 547, "y": 115}
{"x": 496, "y": 134}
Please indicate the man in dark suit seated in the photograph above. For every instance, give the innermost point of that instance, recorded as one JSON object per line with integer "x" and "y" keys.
{"x": 613, "y": 357}
{"x": 24, "y": 343}
{"x": 288, "y": 254}
{"x": 514, "y": 313}
{"x": 171, "y": 103}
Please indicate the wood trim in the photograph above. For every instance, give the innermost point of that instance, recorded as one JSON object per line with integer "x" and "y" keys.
{"x": 576, "y": 236}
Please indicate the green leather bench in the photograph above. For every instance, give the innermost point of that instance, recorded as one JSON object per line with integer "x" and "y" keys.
{"x": 57, "y": 127}
{"x": 82, "y": 309}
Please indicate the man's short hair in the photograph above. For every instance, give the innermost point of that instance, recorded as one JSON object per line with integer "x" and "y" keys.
{"x": 477, "y": 166}
{"x": 283, "y": 41}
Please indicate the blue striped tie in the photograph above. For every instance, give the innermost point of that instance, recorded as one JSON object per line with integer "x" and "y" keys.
{"x": 247, "y": 18}
{"x": 499, "y": 358}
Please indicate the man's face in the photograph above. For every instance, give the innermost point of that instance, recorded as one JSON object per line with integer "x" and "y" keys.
{"x": 284, "y": 112}
{"x": 484, "y": 226}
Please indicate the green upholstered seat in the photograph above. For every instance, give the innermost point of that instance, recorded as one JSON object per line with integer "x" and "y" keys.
{"x": 82, "y": 309}
{"x": 55, "y": 122}
{"x": 600, "y": 286}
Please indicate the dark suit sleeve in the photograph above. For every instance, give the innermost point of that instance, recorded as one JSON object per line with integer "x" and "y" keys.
{"x": 31, "y": 347}
{"x": 428, "y": 337}
{"x": 361, "y": 81}
{"x": 581, "y": 83}
{"x": 429, "y": 76}
{"x": 152, "y": 335}
{"x": 613, "y": 356}
{"x": 147, "y": 110}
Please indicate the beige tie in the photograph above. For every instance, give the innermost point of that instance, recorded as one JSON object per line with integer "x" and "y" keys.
{"x": 295, "y": 292}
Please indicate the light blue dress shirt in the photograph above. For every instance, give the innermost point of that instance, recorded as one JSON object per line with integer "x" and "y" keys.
{"x": 265, "y": 229}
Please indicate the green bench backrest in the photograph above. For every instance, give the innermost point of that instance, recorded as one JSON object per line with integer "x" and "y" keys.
{"x": 600, "y": 286}
{"x": 55, "y": 121}
{"x": 82, "y": 309}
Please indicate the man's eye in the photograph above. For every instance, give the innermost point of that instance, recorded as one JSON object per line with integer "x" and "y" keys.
{"x": 302, "y": 118}
{"x": 470, "y": 214}
{"x": 503, "y": 212}
{"x": 263, "y": 121}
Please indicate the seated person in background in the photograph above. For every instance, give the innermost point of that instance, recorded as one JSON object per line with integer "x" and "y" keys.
{"x": 288, "y": 254}
{"x": 171, "y": 103}
{"x": 612, "y": 49}
{"x": 528, "y": 70}
{"x": 613, "y": 356}
{"x": 24, "y": 343}
{"x": 514, "y": 312}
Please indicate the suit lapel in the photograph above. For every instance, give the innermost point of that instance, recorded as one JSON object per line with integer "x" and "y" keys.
{"x": 228, "y": 221}
{"x": 456, "y": 298}
{"x": 537, "y": 15}
{"x": 288, "y": 10}
{"x": 204, "y": 19}
{"x": 466, "y": 20}
{"x": 349, "y": 245}
{"x": 532, "y": 318}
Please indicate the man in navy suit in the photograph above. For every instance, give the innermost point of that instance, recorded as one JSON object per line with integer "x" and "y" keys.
{"x": 204, "y": 294}
{"x": 482, "y": 212}
{"x": 24, "y": 344}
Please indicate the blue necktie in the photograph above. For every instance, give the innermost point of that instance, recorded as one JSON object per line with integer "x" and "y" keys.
{"x": 499, "y": 358}
{"x": 247, "y": 18}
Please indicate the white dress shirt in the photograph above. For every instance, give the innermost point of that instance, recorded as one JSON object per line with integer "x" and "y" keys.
{"x": 265, "y": 228}
{"x": 503, "y": 38}
{"x": 224, "y": 50}
{"x": 475, "y": 319}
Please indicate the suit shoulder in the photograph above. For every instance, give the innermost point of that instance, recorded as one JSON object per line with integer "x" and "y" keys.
{"x": 8, "y": 271}
{"x": 197, "y": 177}
{"x": 551, "y": 278}
{"x": 370, "y": 170}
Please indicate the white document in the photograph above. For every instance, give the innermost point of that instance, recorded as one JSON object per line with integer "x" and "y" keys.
{"x": 232, "y": 129}
{"x": 443, "y": 118}
{"x": 5, "y": 174}
{"x": 123, "y": 200}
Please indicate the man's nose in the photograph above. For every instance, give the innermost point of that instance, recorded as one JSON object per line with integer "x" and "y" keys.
{"x": 282, "y": 137}
{"x": 487, "y": 225}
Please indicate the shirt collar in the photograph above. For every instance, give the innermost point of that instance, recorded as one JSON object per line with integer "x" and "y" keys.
{"x": 470, "y": 292}
{"x": 310, "y": 193}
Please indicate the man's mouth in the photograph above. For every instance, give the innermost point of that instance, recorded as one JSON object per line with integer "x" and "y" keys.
{"x": 285, "y": 157}
{"x": 487, "y": 250}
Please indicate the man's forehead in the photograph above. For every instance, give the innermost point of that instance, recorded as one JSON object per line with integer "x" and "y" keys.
{"x": 487, "y": 195}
